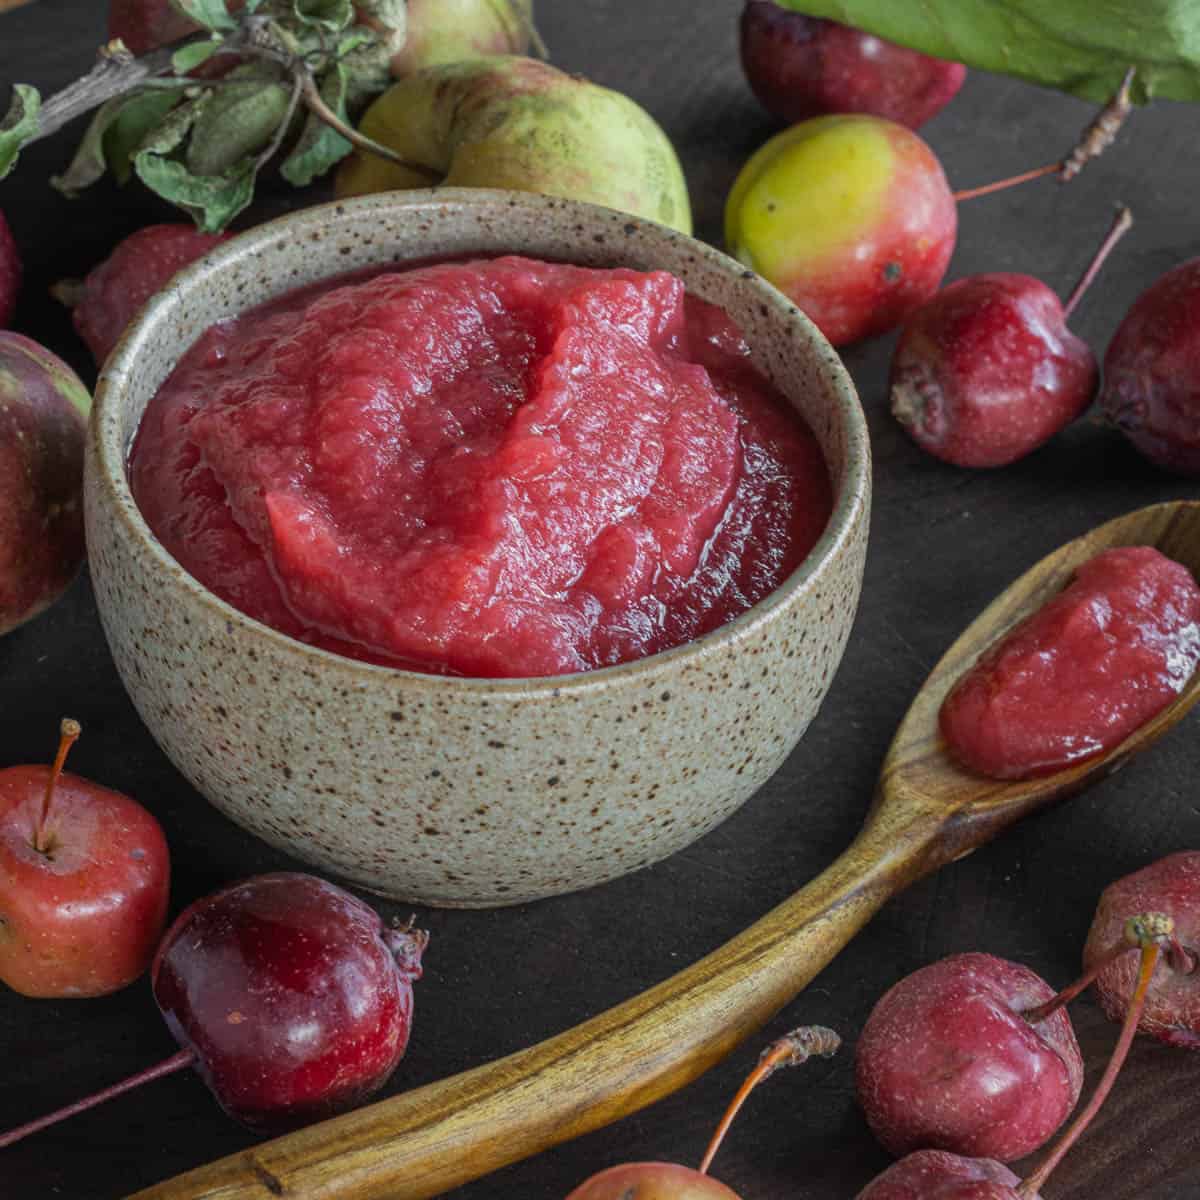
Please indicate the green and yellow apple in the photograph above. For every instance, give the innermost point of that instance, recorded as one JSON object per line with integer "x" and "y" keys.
{"x": 511, "y": 122}
{"x": 850, "y": 216}
{"x": 444, "y": 31}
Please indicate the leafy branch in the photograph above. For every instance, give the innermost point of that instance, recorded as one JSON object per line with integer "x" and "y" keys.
{"x": 198, "y": 130}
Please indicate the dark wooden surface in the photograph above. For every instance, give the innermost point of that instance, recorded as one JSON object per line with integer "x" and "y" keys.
{"x": 944, "y": 542}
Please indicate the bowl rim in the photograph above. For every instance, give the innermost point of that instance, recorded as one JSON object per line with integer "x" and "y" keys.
{"x": 851, "y": 501}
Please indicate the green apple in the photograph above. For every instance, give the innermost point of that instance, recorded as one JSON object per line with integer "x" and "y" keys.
{"x": 510, "y": 122}
{"x": 444, "y": 31}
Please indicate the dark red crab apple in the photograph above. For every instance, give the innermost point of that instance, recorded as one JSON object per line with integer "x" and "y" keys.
{"x": 84, "y": 877}
{"x": 938, "y": 1175}
{"x": 987, "y": 370}
{"x": 289, "y": 997}
{"x": 670, "y": 1181}
{"x": 802, "y": 67}
{"x": 1151, "y": 386}
{"x": 43, "y": 419}
{"x": 1170, "y": 886}
{"x": 948, "y": 1061}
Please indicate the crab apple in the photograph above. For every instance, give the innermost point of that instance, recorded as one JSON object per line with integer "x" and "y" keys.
{"x": 43, "y": 421}
{"x": 948, "y": 1061}
{"x": 937, "y": 1175}
{"x": 1170, "y": 886}
{"x": 800, "y": 67}
{"x": 850, "y": 216}
{"x": 1151, "y": 389}
{"x": 84, "y": 876}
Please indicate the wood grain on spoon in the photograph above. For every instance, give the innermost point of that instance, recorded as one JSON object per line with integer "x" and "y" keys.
{"x": 926, "y": 812}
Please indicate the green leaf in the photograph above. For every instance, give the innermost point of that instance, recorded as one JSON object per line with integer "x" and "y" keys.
{"x": 240, "y": 119}
{"x": 320, "y": 146}
{"x": 19, "y": 125}
{"x": 139, "y": 116}
{"x": 1079, "y": 46}
{"x": 115, "y": 131}
{"x": 330, "y": 15}
{"x": 212, "y": 201}
{"x": 187, "y": 58}
{"x": 387, "y": 15}
{"x": 209, "y": 14}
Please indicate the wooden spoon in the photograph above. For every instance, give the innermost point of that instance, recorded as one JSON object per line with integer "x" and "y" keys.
{"x": 926, "y": 812}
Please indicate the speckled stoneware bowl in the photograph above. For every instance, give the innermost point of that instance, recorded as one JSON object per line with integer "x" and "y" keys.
{"x": 468, "y": 791}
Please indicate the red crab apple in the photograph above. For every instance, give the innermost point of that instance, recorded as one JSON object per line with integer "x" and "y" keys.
{"x": 937, "y": 1175}
{"x": 138, "y": 267}
{"x": 800, "y": 67}
{"x": 84, "y": 876}
{"x": 948, "y": 1061}
{"x": 288, "y": 996}
{"x": 850, "y": 216}
{"x": 1151, "y": 386}
{"x": 987, "y": 370}
{"x": 1170, "y": 886}
{"x": 43, "y": 419}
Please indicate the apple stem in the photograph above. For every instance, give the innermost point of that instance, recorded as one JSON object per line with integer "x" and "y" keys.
{"x": 1012, "y": 181}
{"x": 1119, "y": 228}
{"x": 1149, "y": 941}
{"x": 790, "y": 1051}
{"x": 1154, "y": 925}
{"x": 69, "y": 732}
{"x": 185, "y": 1058}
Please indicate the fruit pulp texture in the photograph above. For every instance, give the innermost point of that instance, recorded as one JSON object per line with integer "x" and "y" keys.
{"x": 1076, "y": 678}
{"x": 492, "y": 468}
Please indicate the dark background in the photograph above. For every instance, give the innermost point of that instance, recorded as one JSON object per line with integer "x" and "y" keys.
{"x": 944, "y": 541}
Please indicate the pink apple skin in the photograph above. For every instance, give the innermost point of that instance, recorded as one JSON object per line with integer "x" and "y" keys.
{"x": 987, "y": 371}
{"x": 851, "y": 217}
{"x": 946, "y": 1061}
{"x": 1152, "y": 372}
{"x": 10, "y": 273}
{"x": 652, "y": 1181}
{"x": 802, "y": 67}
{"x": 82, "y": 918}
{"x": 295, "y": 999}
{"x": 936, "y": 1175}
{"x": 1171, "y": 886}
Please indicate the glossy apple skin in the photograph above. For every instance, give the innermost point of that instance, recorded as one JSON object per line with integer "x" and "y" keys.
{"x": 947, "y": 1062}
{"x": 43, "y": 423}
{"x": 1151, "y": 386}
{"x": 936, "y": 1175}
{"x": 83, "y": 918}
{"x": 987, "y": 370}
{"x": 850, "y": 216}
{"x": 294, "y": 997}
{"x": 652, "y": 1181}
{"x": 801, "y": 67}
{"x": 1171, "y": 886}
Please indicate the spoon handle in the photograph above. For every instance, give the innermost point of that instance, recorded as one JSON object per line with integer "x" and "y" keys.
{"x": 429, "y": 1140}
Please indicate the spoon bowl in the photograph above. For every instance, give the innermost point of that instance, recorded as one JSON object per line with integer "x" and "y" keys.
{"x": 927, "y": 812}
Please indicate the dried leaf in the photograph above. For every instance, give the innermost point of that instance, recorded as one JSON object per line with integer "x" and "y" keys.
{"x": 240, "y": 119}
{"x": 212, "y": 201}
{"x": 20, "y": 123}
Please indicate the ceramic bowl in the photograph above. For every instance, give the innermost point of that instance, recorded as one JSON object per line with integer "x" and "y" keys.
{"x": 450, "y": 791}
